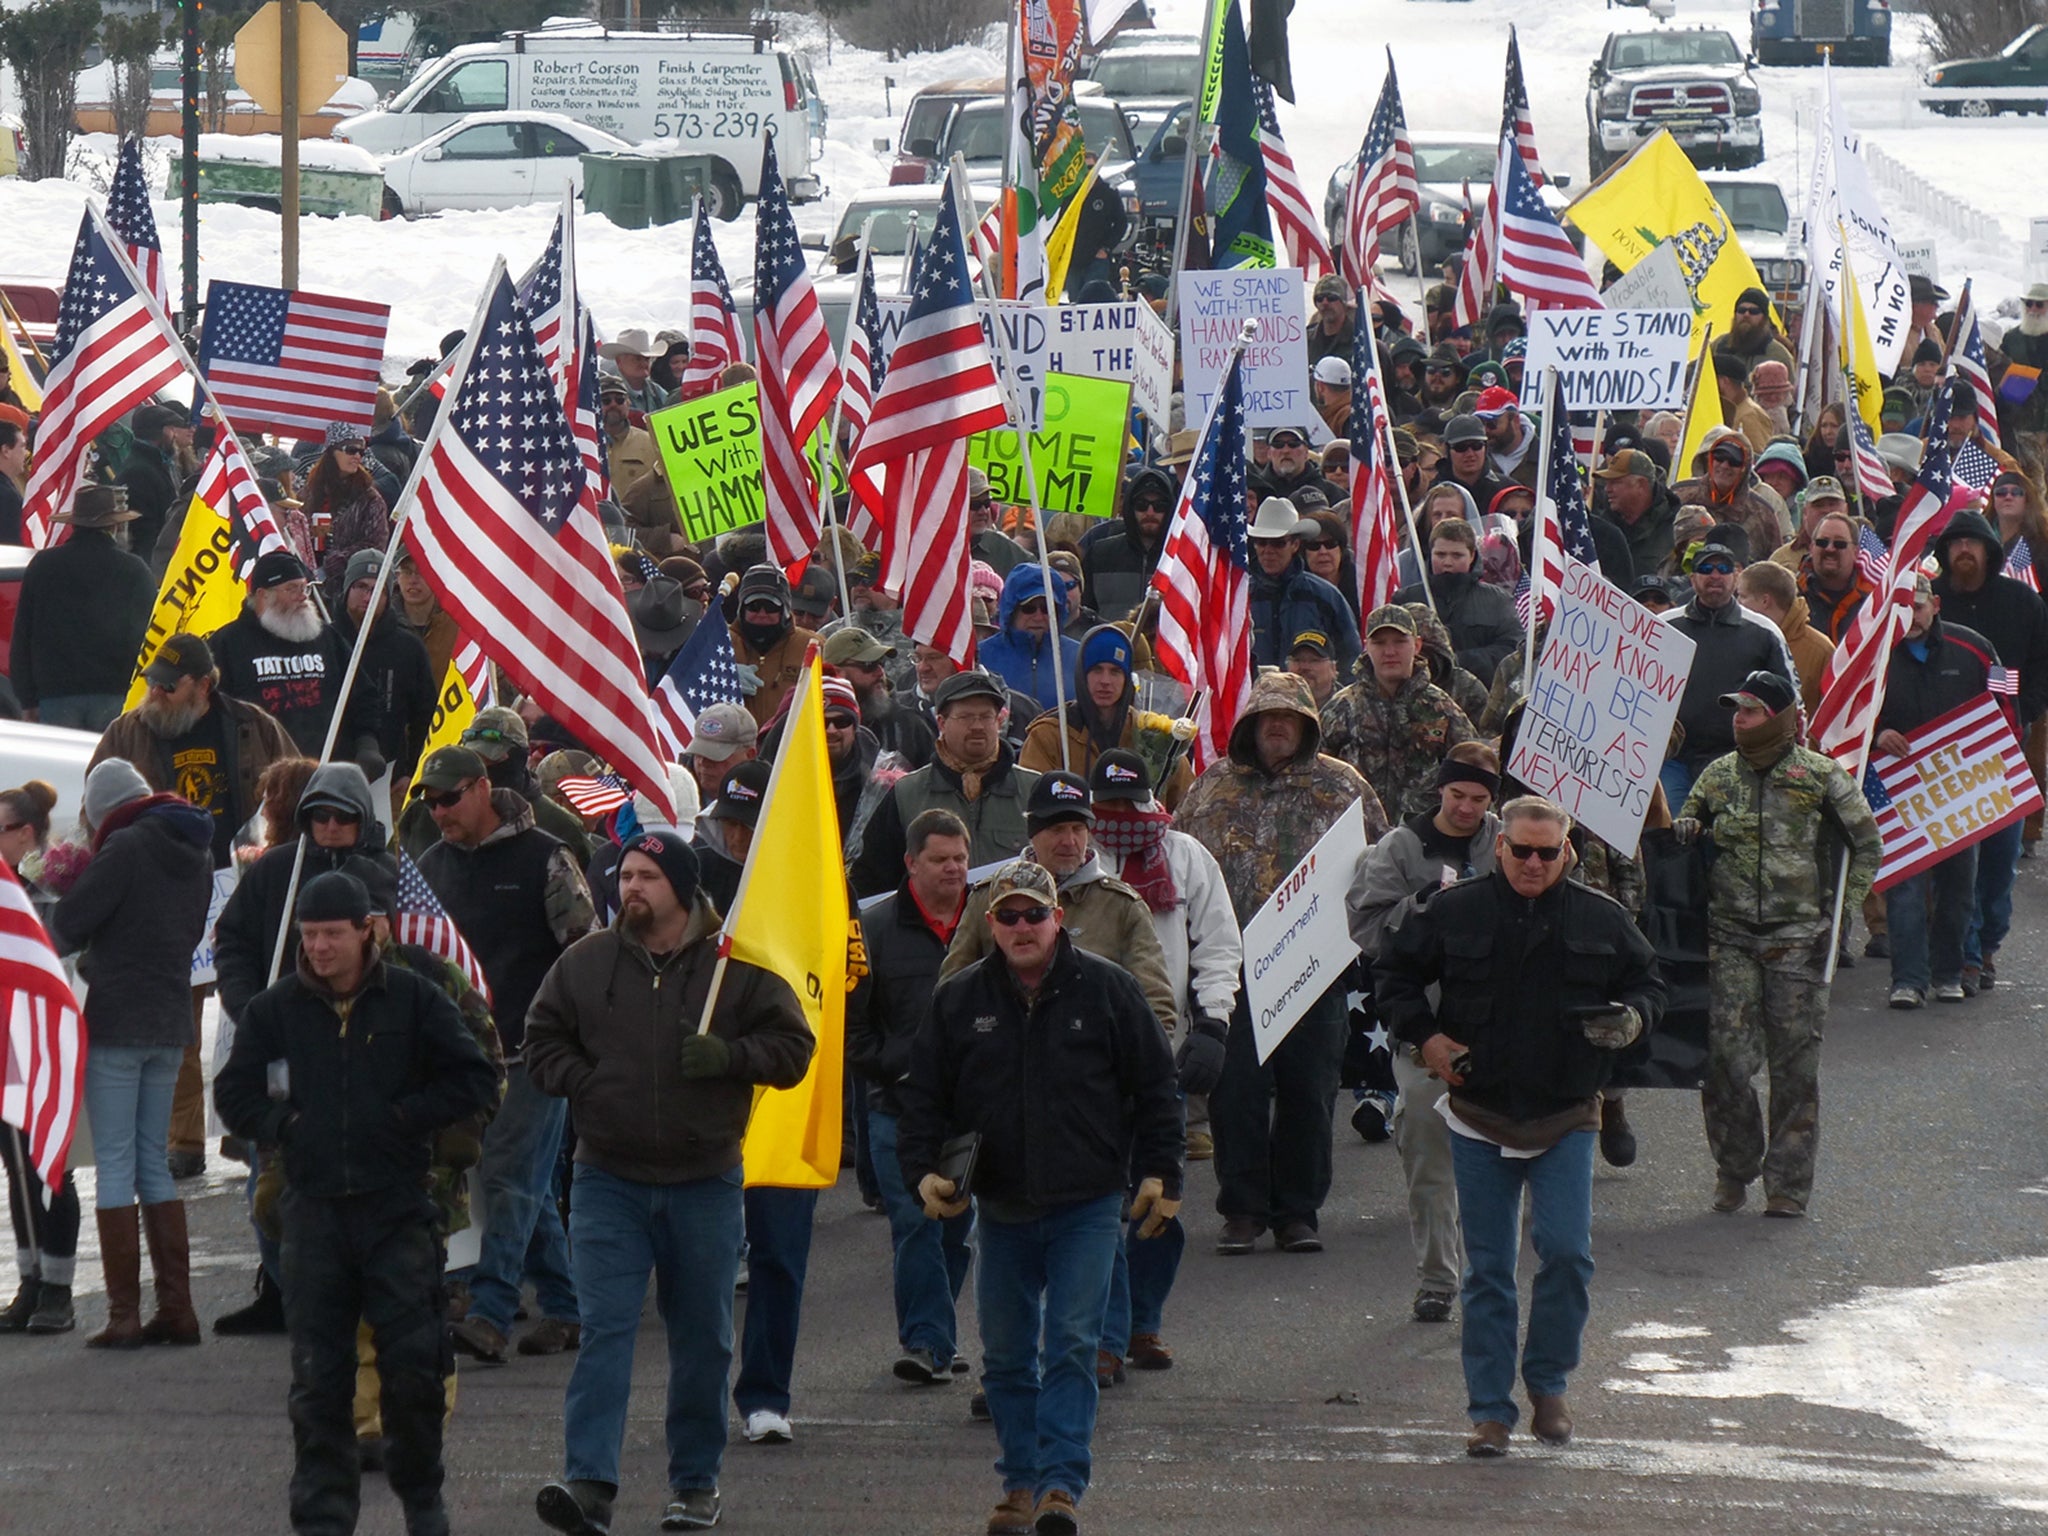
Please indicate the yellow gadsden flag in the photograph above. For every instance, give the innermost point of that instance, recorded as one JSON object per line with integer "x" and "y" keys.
{"x": 790, "y": 916}
{"x": 1656, "y": 195}
{"x": 1701, "y": 417}
{"x": 1859, "y": 363}
{"x": 453, "y": 711}
{"x": 1059, "y": 245}
{"x": 18, "y": 373}
{"x": 199, "y": 592}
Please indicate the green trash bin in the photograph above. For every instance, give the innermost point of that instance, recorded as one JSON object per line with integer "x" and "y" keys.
{"x": 684, "y": 178}
{"x": 624, "y": 188}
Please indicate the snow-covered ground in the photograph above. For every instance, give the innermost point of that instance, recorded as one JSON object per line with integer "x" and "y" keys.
{"x": 1448, "y": 55}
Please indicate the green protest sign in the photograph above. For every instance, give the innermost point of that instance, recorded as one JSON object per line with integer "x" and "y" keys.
{"x": 711, "y": 454}
{"x": 1077, "y": 458}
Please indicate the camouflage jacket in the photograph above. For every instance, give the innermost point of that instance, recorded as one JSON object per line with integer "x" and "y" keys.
{"x": 1396, "y": 743}
{"x": 1778, "y": 839}
{"x": 1506, "y": 685}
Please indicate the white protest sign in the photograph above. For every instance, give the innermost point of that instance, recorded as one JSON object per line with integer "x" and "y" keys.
{"x": 1599, "y": 716}
{"x": 2037, "y": 249}
{"x": 1213, "y": 309}
{"x": 224, "y": 881}
{"x": 1611, "y": 359}
{"x": 1027, "y": 334}
{"x": 1124, "y": 342}
{"x": 1920, "y": 259}
{"x": 1297, "y": 945}
{"x": 1655, "y": 282}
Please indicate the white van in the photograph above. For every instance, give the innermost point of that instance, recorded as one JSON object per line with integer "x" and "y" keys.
{"x": 708, "y": 88}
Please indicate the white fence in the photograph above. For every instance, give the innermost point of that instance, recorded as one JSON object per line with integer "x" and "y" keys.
{"x": 1927, "y": 200}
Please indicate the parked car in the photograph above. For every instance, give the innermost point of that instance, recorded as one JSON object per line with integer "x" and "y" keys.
{"x": 494, "y": 160}
{"x": 1448, "y": 167}
{"x": 972, "y": 117}
{"x": 1756, "y": 207}
{"x": 1149, "y": 74}
{"x": 1800, "y": 31}
{"x": 52, "y": 753}
{"x": 2015, "y": 79}
{"x": 1692, "y": 80}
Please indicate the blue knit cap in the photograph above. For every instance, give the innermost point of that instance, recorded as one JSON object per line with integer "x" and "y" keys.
{"x": 1103, "y": 643}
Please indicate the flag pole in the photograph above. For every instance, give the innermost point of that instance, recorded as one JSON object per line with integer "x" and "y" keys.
{"x": 1383, "y": 429}
{"x": 1692, "y": 388}
{"x": 956, "y": 183}
{"x": 860, "y": 282}
{"x": 408, "y": 499}
{"x": 1187, "y": 173}
{"x": 1551, "y": 402}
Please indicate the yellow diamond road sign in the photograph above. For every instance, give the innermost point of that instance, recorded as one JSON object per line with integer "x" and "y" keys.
{"x": 323, "y": 58}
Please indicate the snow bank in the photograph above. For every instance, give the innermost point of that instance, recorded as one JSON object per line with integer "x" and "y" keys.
{"x": 268, "y": 149}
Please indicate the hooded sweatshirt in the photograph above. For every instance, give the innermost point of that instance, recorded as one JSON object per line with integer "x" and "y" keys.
{"x": 1025, "y": 661}
{"x": 1118, "y": 565}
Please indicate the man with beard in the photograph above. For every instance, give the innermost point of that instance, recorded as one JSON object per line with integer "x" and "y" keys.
{"x": 1118, "y": 565}
{"x": 767, "y": 642}
{"x": 1750, "y": 336}
{"x": 1099, "y": 718}
{"x": 2027, "y": 345}
{"x": 1511, "y": 456}
{"x": 189, "y": 738}
{"x": 1290, "y": 465}
{"x": 280, "y": 653}
{"x": 661, "y": 1106}
{"x": 82, "y": 611}
{"x": 860, "y": 658}
{"x": 395, "y": 686}
{"x": 1442, "y": 379}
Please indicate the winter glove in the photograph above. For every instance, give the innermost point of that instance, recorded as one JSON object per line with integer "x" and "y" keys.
{"x": 704, "y": 1056}
{"x": 1614, "y": 1030}
{"x": 1151, "y": 1209}
{"x": 936, "y": 1194}
{"x": 1686, "y": 829}
{"x": 750, "y": 678}
{"x": 1200, "y": 1057}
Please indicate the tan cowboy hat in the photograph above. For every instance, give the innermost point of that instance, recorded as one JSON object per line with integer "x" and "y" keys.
{"x": 631, "y": 341}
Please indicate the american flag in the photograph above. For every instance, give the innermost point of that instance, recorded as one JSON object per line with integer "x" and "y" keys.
{"x": 1977, "y": 732}
{"x": 129, "y": 216}
{"x": 2004, "y": 681}
{"x": 228, "y": 485}
{"x": 2019, "y": 564}
{"x": 703, "y": 673}
{"x": 1873, "y": 480}
{"x": 1852, "y": 688}
{"x": 594, "y": 794}
{"x": 567, "y": 338}
{"x": 422, "y": 920}
{"x": 287, "y": 361}
{"x": 1974, "y": 467}
{"x": 1476, "y": 278}
{"x": 114, "y": 349}
{"x": 1563, "y": 526}
{"x": 864, "y": 369}
{"x": 910, "y": 474}
{"x": 1535, "y": 259}
{"x": 477, "y": 674}
{"x": 1966, "y": 362}
{"x": 1293, "y": 215}
{"x": 714, "y": 318}
{"x": 1873, "y": 560}
{"x": 1383, "y": 194}
{"x": 517, "y": 559}
{"x": 43, "y": 1081}
{"x": 799, "y": 374}
{"x": 1375, "y": 514}
{"x": 1204, "y": 578}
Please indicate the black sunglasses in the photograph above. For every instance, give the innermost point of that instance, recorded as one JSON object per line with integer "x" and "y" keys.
{"x": 1747, "y": 309}
{"x": 1713, "y": 568}
{"x": 1010, "y": 917}
{"x": 1727, "y": 458}
{"x": 330, "y": 813}
{"x": 1830, "y": 543}
{"x": 981, "y": 501}
{"x": 1532, "y": 850}
{"x": 447, "y": 800}
{"x": 1286, "y": 440}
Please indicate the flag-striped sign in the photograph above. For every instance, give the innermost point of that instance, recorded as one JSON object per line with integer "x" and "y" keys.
{"x": 1964, "y": 779}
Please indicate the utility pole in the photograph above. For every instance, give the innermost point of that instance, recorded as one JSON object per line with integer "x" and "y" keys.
{"x": 188, "y": 170}
{"x": 288, "y": 67}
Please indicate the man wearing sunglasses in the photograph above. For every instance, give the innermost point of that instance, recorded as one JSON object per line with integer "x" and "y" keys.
{"x": 1522, "y": 990}
{"x": 1833, "y": 586}
{"x": 1334, "y": 321}
{"x": 1724, "y": 482}
{"x": 1750, "y": 335}
{"x": 1118, "y": 564}
{"x": 1051, "y": 1173}
{"x": 1292, "y": 464}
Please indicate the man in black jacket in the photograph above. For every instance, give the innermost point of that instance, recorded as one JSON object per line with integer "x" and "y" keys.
{"x": 1050, "y": 1174}
{"x": 280, "y": 653}
{"x": 1975, "y": 593}
{"x": 1729, "y": 643}
{"x": 1543, "y": 984}
{"x": 1118, "y": 564}
{"x": 395, "y": 687}
{"x": 80, "y": 617}
{"x": 375, "y": 1060}
{"x": 907, "y": 934}
{"x": 661, "y": 1106}
{"x": 150, "y": 475}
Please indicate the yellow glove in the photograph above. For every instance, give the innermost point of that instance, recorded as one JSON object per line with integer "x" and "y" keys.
{"x": 1151, "y": 1209}
{"x": 937, "y": 1195}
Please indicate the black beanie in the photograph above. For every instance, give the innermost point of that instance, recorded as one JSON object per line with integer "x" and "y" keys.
{"x": 677, "y": 859}
{"x": 334, "y": 898}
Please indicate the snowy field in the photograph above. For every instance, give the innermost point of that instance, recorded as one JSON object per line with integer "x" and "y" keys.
{"x": 1448, "y": 54}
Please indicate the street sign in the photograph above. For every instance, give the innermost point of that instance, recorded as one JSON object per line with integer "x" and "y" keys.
{"x": 323, "y": 58}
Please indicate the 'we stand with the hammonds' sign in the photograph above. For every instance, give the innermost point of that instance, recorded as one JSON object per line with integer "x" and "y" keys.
{"x": 1599, "y": 715}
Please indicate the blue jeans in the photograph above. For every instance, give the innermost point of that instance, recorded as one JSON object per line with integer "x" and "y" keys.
{"x": 1047, "y": 1278}
{"x": 1560, "y": 1185}
{"x": 81, "y": 712}
{"x": 1926, "y": 951}
{"x": 1998, "y": 859}
{"x": 778, "y": 1232}
{"x": 1676, "y": 776}
{"x": 522, "y": 1226}
{"x": 1140, "y": 1283}
{"x": 128, "y": 1092}
{"x": 688, "y": 1237}
{"x": 932, "y": 1257}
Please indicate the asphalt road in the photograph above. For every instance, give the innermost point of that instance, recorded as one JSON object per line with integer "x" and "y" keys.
{"x": 1304, "y": 1399}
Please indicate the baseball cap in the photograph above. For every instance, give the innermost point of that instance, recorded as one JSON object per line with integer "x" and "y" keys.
{"x": 741, "y": 793}
{"x": 1333, "y": 371}
{"x": 1315, "y": 640}
{"x": 971, "y": 684}
{"x": 1493, "y": 401}
{"x": 1390, "y": 616}
{"x": 1055, "y": 798}
{"x": 1825, "y": 488}
{"x": 721, "y": 731}
{"x": 1021, "y": 877}
{"x": 180, "y": 656}
{"x": 448, "y": 768}
{"x": 496, "y": 733}
{"x": 1629, "y": 461}
{"x": 1762, "y": 690}
{"x": 1331, "y": 286}
{"x": 1730, "y": 539}
{"x": 856, "y": 645}
{"x": 1120, "y": 775}
{"x": 1463, "y": 430}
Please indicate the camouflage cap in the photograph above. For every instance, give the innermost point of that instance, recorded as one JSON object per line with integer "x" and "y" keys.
{"x": 1390, "y": 616}
{"x": 1020, "y": 877}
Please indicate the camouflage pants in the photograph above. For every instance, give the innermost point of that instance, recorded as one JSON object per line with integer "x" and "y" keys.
{"x": 1766, "y": 1011}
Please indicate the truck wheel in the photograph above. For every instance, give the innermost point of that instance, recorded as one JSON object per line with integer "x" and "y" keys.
{"x": 1750, "y": 158}
{"x": 723, "y": 199}
{"x": 1410, "y": 256}
{"x": 1976, "y": 106}
{"x": 393, "y": 208}
{"x": 1596, "y": 161}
